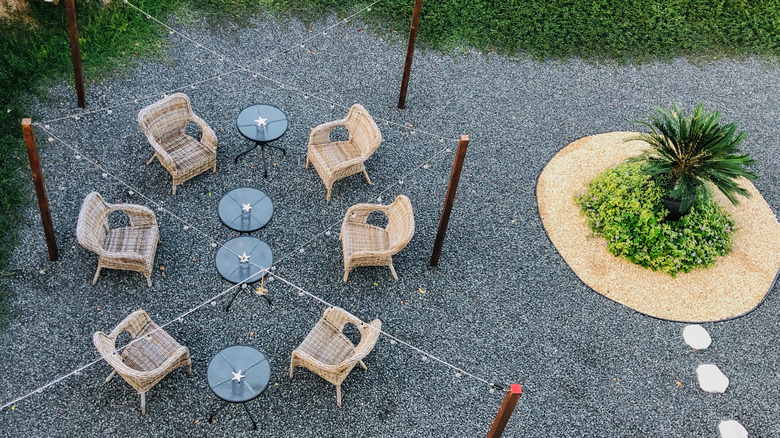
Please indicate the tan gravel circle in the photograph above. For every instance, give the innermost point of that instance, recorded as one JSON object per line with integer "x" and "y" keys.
{"x": 735, "y": 285}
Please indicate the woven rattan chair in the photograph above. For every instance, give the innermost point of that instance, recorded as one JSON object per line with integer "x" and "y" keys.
{"x": 184, "y": 157}
{"x": 331, "y": 355}
{"x": 130, "y": 248}
{"x": 335, "y": 160}
{"x": 151, "y": 355}
{"x": 369, "y": 245}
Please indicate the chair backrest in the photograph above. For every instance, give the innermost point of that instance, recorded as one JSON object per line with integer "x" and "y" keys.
{"x": 92, "y": 226}
{"x": 165, "y": 117}
{"x": 400, "y": 223}
{"x": 363, "y": 131}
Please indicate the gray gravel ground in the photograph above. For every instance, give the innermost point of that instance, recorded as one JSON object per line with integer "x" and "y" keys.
{"x": 502, "y": 305}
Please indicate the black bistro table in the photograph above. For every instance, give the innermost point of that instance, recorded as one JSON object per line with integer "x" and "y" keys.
{"x": 242, "y": 260}
{"x": 238, "y": 374}
{"x": 245, "y": 209}
{"x": 262, "y": 124}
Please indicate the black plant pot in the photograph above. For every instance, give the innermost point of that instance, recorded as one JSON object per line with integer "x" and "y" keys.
{"x": 673, "y": 205}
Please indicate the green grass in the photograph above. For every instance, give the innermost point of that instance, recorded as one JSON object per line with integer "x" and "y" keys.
{"x": 33, "y": 56}
{"x": 622, "y": 30}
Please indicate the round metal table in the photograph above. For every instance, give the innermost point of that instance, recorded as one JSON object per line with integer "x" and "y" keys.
{"x": 242, "y": 260}
{"x": 238, "y": 374}
{"x": 245, "y": 209}
{"x": 262, "y": 124}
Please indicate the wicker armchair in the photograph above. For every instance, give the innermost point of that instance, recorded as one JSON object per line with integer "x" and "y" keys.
{"x": 340, "y": 159}
{"x": 151, "y": 355}
{"x": 369, "y": 245}
{"x": 130, "y": 248}
{"x": 331, "y": 355}
{"x": 184, "y": 157}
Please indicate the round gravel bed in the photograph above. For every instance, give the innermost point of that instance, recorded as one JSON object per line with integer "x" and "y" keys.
{"x": 737, "y": 283}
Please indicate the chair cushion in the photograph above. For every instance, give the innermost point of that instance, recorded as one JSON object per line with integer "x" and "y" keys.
{"x": 364, "y": 237}
{"x": 188, "y": 154}
{"x": 147, "y": 353}
{"x": 330, "y": 155}
{"x": 138, "y": 240}
{"x": 327, "y": 344}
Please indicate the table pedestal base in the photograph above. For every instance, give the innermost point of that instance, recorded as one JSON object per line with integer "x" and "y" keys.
{"x": 227, "y": 308}
{"x": 262, "y": 146}
{"x": 254, "y": 424}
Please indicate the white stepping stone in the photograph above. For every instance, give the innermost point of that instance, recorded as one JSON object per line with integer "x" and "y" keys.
{"x": 732, "y": 429}
{"x": 697, "y": 337}
{"x": 711, "y": 379}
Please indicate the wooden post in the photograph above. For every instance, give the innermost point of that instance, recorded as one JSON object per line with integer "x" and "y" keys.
{"x": 505, "y": 411}
{"x": 449, "y": 198}
{"x": 40, "y": 188}
{"x": 410, "y": 53}
{"x": 75, "y": 52}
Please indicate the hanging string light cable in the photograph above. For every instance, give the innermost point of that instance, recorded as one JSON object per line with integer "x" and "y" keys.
{"x": 78, "y": 370}
{"x": 249, "y": 68}
{"x": 394, "y": 339}
{"x": 262, "y": 271}
{"x": 256, "y": 73}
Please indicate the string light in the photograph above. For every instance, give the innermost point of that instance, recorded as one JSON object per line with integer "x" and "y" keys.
{"x": 212, "y": 300}
{"x": 278, "y": 83}
{"x": 268, "y": 59}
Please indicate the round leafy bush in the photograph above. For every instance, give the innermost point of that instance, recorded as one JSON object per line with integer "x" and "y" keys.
{"x": 623, "y": 204}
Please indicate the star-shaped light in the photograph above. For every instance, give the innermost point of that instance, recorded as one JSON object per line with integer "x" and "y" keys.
{"x": 238, "y": 376}
{"x": 243, "y": 258}
{"x": 260, "y": 121}
{"x": 246, "y": 207}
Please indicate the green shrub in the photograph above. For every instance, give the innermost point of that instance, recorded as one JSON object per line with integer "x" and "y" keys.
{"x": 623, "y": 204}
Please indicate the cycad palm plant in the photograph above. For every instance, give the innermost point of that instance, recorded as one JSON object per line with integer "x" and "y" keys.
{"x": 690, "y": 151}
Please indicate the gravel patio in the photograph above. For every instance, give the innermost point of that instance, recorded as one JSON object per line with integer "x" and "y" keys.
{"x": 502, "y": 304}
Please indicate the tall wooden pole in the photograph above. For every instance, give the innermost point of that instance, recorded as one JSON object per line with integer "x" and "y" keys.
{"x": 75, "y": 52}
{"x": 505, "y": 411}
{"x": 40, "y": 188}
{"x": 410, "y": 53}
{"x": 449, "y": 198}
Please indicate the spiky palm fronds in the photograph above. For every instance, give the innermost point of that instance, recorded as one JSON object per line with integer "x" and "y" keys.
{"x": 693, "y": 150}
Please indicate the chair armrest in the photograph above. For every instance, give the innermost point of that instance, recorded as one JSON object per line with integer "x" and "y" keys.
{"x": 321, "y": 134}
{"x": 208, "y": 137}
{"x": 138, "y": 214}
